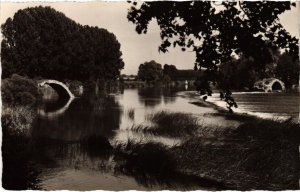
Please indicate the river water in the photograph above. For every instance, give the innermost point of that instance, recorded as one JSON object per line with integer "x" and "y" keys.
{"x": 64, "y": 162}
{"x": 276, "y": 106}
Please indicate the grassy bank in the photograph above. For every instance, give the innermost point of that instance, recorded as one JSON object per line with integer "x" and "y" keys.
{"x": 258, "y": 154}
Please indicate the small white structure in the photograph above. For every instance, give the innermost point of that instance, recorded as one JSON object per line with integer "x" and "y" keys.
{"x": 270, "y": 85}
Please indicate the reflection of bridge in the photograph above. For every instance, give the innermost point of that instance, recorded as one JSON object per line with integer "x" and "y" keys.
{"x": 61, "y": 89}
{"x": 57, "y": 112}
{"x": 269, "y": 85}
{"x": 64, "y": 101}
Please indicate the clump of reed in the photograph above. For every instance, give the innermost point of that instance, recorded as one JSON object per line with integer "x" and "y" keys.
{"x": 169, "y": 124}
{"x": 130, "y": 114}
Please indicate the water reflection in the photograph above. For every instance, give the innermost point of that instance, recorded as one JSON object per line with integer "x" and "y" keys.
{"x": 90, "y": 145}
{"x": 150, "y": 97}
{"x": 84, "y": 117}
{"x": 78, "y": 148}
{"x": 54, "y": 108}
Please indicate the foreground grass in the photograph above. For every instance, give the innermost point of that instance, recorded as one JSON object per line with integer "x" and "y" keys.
{"x": 261, "y": 154}
{"x": 258, "y": 154}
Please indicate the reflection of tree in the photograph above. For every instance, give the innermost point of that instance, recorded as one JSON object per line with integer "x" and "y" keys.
{"x": 84, "y": 117}
{"x": 150, "y": 96}
{"x": 169, "y": 94}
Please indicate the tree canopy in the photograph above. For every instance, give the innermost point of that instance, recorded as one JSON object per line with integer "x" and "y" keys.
{"x": 217, "y": 30}
{"x": 43, "y": 42}
{"x": 150, "y": 71}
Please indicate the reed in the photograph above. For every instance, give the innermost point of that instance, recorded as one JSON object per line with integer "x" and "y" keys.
{"x": 169, "y": 124}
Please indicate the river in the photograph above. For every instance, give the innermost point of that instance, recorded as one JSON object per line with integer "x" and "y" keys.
{"x": 62, "y": 128}
{"x": 276, "y": 106}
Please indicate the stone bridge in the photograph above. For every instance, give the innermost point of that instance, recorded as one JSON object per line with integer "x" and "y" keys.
{"x": 62, "y": 90}
{"x": 269, "y": 85}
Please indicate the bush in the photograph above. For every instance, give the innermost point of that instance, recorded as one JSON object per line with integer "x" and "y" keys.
{"x": 19, "y": 90}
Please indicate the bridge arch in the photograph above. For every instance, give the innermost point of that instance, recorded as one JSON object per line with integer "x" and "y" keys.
{"x": 269, "y": 85}
{"x": 61, "y": 89}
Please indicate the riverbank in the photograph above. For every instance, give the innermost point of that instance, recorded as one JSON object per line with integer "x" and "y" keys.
{"x": 258, "y": 154}
{"x": 274, "y": 106}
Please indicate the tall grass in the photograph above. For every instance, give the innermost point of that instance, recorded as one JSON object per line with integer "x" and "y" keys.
{"x": 260, "y": 154}
{"x": 170, "y": 124}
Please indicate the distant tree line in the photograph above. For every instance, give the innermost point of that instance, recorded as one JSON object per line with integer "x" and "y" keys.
{"x": 152, "y": 71}
{"x": 42, "y": 42}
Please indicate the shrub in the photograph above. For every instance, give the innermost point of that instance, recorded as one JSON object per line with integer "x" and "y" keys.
{"x": 19, "y": 90}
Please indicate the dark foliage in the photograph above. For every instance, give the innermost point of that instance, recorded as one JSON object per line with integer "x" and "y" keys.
{"x": 180, "y": 75}
{"x": 150, "y": 71}
{"x": 43, "y": 42}
{"x": 19, "y": 90}
{"x": 288, "y": 69}
{"x": 216, "y": 30}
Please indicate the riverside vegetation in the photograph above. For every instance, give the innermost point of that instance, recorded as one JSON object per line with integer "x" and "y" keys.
{"x": 257, "y": 154}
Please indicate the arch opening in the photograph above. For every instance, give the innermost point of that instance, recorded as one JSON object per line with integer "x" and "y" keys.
{"x": 276, "y": 86}
{"x": 61, "y": 89}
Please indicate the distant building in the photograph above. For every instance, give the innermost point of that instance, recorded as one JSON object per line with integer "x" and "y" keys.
{"x": 129, "y": 77}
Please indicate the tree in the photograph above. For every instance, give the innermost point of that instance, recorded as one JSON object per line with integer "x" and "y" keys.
{"x": 43, "y": 42}
{"x": 288, "y": 70}
{"x": 150, "y": 71}
{"x": 217, "y": 30}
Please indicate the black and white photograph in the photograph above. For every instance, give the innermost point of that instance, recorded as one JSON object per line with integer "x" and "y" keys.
{"x": 150, "y": 95}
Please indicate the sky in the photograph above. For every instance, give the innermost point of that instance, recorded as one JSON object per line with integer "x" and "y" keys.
{"x": 136, "y": 48}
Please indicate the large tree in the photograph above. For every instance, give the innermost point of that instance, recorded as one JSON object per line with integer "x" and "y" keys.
{"x": 43, "y": 42}
{"x": 217, "y": 30}
{"x": 150, "y": 71}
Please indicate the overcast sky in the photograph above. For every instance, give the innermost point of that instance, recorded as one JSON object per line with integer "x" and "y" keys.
{"x": 136, "y": 48}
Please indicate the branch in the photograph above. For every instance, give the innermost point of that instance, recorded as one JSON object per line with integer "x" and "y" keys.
{"x": 241, "y": 7}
